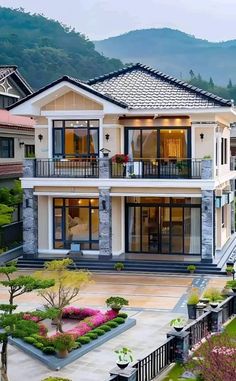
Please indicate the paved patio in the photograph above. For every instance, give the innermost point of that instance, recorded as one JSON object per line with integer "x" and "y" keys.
{"x": 154, "y": 301}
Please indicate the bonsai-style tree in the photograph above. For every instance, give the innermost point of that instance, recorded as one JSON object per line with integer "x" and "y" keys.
{"x": 67, "y": 285}
{"x": 22, "y": 284}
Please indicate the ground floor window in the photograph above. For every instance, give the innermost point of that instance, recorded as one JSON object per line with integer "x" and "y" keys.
{"x": 76, "y": 221}
{"x": 163, "y": 225}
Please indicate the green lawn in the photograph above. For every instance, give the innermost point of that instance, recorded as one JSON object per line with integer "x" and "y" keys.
{"x": 178, "y": 369}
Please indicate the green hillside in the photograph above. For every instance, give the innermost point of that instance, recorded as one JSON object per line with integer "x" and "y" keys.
{"x": 44, "y": 49}
{"x": 175, "y": 53}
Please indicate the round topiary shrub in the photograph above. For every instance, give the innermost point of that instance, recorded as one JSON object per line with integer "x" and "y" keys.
{"x": 83, "y": 340}
{"x": 38, "y": 345}
{"x": 105, "y": 328}
{"x": 56, "y": 379}
{"x": 30, "y": 340}
{"x": 122, "y": 315}
{"x": 92, "y": 335}
{"x": 119, "y": 320}
{"x": 41, "y": 339}
{"x": 99, "y": 331}
{"x": 112, "y": 324}
{"x": 49, "y": 350}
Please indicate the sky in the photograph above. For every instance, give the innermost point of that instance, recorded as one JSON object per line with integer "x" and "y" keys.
{"x": 98, "y": 19}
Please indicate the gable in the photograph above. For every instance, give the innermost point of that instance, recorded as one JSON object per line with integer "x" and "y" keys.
{"x": 72, "y": 101}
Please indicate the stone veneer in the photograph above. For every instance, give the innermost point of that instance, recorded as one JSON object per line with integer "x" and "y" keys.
{"x": 208, "y": 226}
{"x": 105, "y": 224}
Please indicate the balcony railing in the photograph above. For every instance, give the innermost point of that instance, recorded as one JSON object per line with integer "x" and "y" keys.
{"x": 158, "y": 169}
{"x": 82, "y": 168}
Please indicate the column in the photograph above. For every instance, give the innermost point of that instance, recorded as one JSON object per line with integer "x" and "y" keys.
{"x": 30, "y": 214}
{"x": 232, "y": 205}
{"x": 105, "y": 224}
{"x": 208, "y": 228}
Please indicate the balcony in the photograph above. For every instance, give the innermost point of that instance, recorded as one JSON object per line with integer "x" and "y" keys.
{"x": 133, "y": 169}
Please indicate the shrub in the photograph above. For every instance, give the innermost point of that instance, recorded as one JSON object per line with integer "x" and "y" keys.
{"x": 122, "y": 315}
{"x": 229, "y": 269}
{"x": 63, "y": 341}
{"x": 105, "y": 328}
{"x": 49, "y": 350}
{"x": 38, "y": 345}
{"x": 119, "y": 266}
{"x": 231, "y": 284}
{"x": 30, "y": 340}
{"x": 193, "y": 297}
{"x": 191, "y": 268}
{"x": 119, "y": 320}
{"x": 42, "y": 339}
{"x": 99, "y": 331}
{"x": 213, "y": 294}
{"x": 117, "y": 302}
{"x": 112, "y": 324}
{"x": 92, "y": 335}
{"x": 83, "y": 340}
{"x": 56, "y": 379}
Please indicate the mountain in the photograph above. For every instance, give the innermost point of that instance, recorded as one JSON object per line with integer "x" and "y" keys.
{"x": 44, "y": 49}
{"x": 175, "y": 53}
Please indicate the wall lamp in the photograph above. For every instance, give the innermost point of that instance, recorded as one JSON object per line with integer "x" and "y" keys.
{"x": 104, "y": 206}
{"x": 40, "y": 137}
{"x": 107, "y": 136}
{"x": 201, "y": 136}
{"x": 21, "y": 144}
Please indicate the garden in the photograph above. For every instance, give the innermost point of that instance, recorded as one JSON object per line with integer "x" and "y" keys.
{"x": 58, "y": 333}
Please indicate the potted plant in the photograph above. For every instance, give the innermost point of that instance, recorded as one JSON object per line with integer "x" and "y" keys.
{"x": 178, "y": 324}
{"x": 63, "y": 343}
{"x": 214, "y": 296}
{"x": 116, "y": 303}
{"x": 192, "y": 301}
{"x": 231, "y": 284}
{"x": 120, "y": 158}
{"x": 191, "y": 268}
{"x": 125, "y": 356}
{"x": 229, "y": 270}
{"x": 119, "y": 266}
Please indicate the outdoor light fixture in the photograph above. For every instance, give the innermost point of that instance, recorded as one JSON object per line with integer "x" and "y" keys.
{"x": 105, "y": 152}
{"x": 21, "y": 144}
{"x": 40, "y": 137}
{"x": 201, "y": 136}
{"x": 104, "y": 205}
{"x": 107, "y": 136}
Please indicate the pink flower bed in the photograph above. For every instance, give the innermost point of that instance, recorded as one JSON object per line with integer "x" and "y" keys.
{"x": 31, "y": 317}
{"x": 89, "y": 319}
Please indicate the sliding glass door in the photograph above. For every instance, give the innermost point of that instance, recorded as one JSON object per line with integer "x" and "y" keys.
{"x": 163, "y": 225}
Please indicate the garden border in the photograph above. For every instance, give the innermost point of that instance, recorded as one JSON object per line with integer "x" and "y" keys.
{"x": 56, "y": 363}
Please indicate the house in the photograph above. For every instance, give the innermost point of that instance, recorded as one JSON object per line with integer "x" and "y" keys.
{"x": 16, "y": 133}
{"x": 134, "y": 162}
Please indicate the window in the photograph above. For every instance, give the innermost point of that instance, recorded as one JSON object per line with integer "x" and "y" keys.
{"x": 29, "y": 150}
{"x": 223, "y": 151}
{"x": 6, "y": 147}
{"x": 223, "y": 216}
{"x": 75, "y": 138}
{"x": 6, "y": 101}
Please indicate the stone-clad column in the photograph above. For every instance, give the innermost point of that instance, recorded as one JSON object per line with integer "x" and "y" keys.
{"x": 232, "y": 205}
{"x": 105, "y": 224}
{"x": 208, "y": 225}
{"x": 207, "y": 169}
{"x": 30, "y": 214}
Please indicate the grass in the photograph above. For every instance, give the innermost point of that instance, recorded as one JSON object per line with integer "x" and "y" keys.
{"x": 178, "y": 369}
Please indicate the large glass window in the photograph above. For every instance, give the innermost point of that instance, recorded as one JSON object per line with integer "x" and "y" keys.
{"x": 6, "y": 147}
{"x": 76, "y": 221}
{"x": 163, "y": 225}
{"x": 75, "y": 138}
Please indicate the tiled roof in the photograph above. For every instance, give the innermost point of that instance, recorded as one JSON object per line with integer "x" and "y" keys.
{"x": 141, "y": 87}
{"x": 6, "y": 70}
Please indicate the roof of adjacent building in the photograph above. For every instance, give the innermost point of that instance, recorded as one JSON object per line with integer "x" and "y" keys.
{"x": 142, "y": 87}
{"x": 11, "y": 70}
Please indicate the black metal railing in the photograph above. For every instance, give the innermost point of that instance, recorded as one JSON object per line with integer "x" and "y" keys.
{"x": 227, "y": 308}
{"x": 83, "y": 168}
{"x": 199, "y": 328}
{"x": 151, "y": 365}
{"x": 158, "y": 169}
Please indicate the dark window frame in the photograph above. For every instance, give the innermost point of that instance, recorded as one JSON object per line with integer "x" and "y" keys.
{"x": 10, "y": 148}
{"x": 29, "y": 150}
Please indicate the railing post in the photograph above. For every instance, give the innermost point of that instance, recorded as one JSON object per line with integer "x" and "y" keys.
{"x": 181, "y": 344}
{"x": 127, "y": 374}
{"x": 104, "y": 167}
{"x": 207, "y": 169}
{"x": 216, "y": 319}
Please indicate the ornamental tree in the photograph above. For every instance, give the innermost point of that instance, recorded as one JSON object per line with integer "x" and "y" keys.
{"x": 66, "y": 288}
{"x": 21, "y": 284}
{"x": 5, "y": 214}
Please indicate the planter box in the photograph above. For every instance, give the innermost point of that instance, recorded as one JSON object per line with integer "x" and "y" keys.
{"x": 55, "y": 363}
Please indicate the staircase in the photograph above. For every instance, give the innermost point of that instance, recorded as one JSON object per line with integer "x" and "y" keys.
{"x": 130, "y": 266}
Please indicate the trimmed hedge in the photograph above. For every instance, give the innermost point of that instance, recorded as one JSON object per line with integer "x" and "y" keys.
{"x": 119, "y": 320}
{"x": 112, "y": 324}
{"x": 49, "y": 350}
{"x": 92, "y": 335}
{"x": 30, "y": 340}
{"x": 99, "y": 331}
{"x": 83, "y": 340}
{"x": 38, "y": 345}
{"x": 122, "y": 315}
{"x": 105, "y": 328}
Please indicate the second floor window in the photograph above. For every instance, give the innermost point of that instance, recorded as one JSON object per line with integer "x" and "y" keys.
{"x": 223, "y": 151}
{"x": 29, "y": 150}
{"x": 6, "y": 148}
{"x": 75, "y": 138}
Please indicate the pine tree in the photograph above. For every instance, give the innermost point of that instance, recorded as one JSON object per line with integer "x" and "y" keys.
{"x": 230, "y": 85}
{"x": 211, "y": 83}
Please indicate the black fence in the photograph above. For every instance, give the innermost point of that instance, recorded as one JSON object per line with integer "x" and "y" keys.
{"x": 11, "y": 234}
{"x": 82, "y": 168}
{"x": 158, "y": 169}
{"x": 199, "y": 328}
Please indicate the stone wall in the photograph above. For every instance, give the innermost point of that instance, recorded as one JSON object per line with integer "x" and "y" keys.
{"x": 208, "y": 226}
{"x": 30, "y": 224}
{"x": 105, "y": 224}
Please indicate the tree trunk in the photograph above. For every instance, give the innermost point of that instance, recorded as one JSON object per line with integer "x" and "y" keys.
{"x": 4, "y": 360}
{"x": 59, "y": 322}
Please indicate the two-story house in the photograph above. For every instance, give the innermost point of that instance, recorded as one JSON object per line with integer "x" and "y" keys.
{"x": 169, "y": 193}
{"x": 16, "y": 132}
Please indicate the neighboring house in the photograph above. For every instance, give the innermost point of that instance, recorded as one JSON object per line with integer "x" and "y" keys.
{"x": 173, "y": 195}
{"x": 16, "y": 133}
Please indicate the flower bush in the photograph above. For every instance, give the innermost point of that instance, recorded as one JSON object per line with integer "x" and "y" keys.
{"x": 120, "y": 158}
{"x": 79, "y": 313}
{"x": 28, "y": 316}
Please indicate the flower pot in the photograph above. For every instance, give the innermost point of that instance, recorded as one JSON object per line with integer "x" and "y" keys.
{"x": 63, "y": 353}
{"x": 122, "y": 365}
{"x": 213, "y": 304}
{"x": 116, "y": 309}
{"x": 192, "y": 271}
{"x": 204, "y": 300}
{"x": 178, "y": 329}
{"x": 192, "y": 311}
